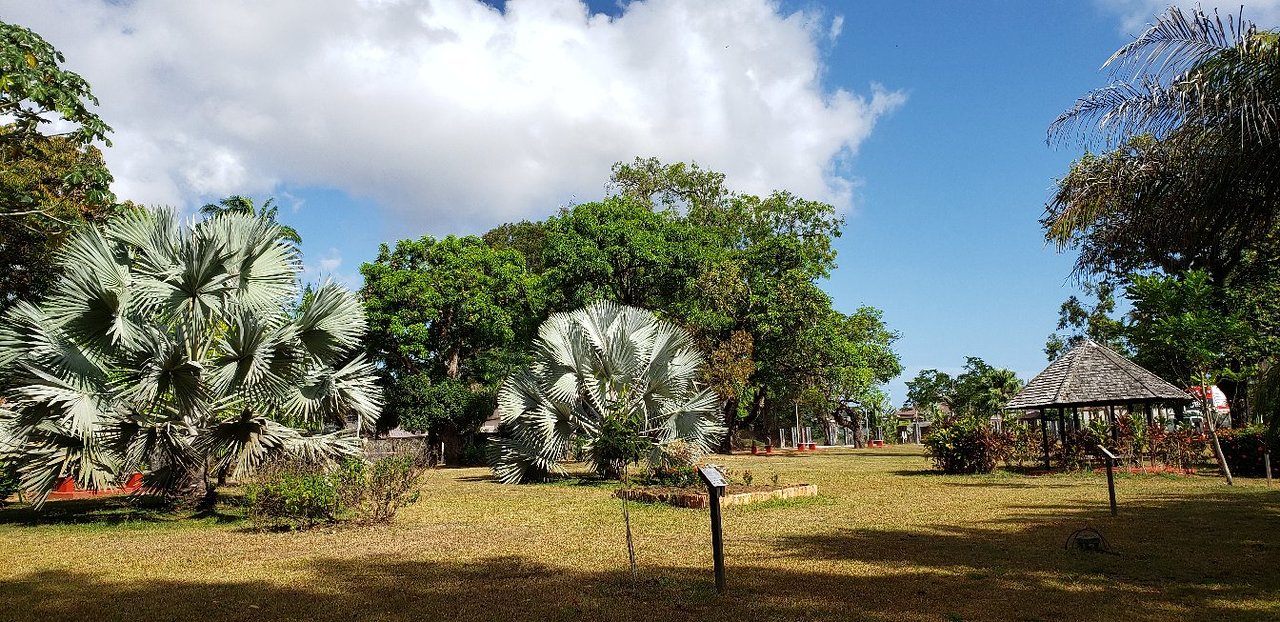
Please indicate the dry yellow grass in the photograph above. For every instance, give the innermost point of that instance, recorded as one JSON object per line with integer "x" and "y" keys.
{"x": 883, "y": 542}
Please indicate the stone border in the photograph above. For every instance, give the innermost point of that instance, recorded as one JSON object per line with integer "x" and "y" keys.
{"x": 698, "y": 500}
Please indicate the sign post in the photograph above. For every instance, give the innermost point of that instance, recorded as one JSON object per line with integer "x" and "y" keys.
{"x": 716, "y": 484}
{"x": 1111, "y": 478}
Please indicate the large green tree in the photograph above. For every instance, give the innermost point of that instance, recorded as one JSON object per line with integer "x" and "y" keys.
{"x": 1189, "y": 179}
{"x": 1193, "y": 182}
{"x": 740, "y": 272}
{"x": 448, "y": 319}
{"x": 49, "y": 183}
{"x": 619, "y": 249}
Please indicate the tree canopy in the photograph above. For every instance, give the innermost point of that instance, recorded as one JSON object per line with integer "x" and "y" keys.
{"x": 1185, "y": 198}
{"x": 740, "y": 272}
{"x": 49, "y": 183}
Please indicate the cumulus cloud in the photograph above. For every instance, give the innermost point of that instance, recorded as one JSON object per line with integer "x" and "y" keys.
{"x": 451, "y": 111}
{"x": 1135, "y": 15}
{"x": 329, "y": 266}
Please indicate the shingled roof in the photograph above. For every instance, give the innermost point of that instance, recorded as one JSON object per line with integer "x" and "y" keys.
{"x": 1094, "y": 374}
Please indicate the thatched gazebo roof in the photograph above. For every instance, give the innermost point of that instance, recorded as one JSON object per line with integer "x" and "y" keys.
{"x": 1094, "y": 375}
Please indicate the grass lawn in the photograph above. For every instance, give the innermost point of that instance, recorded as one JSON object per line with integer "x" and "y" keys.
{"x": 884, "y": 541}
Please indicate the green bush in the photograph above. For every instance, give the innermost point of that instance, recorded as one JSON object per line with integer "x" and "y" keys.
{"x": 966, "y": 445}
{"x": 291, "y": 494}
{"x": 678, "y": 476}
{"x": 1244, "y": 450}
{"x": 473, "y": 452}
{"x": 294, "y": 495}
{"x": 390, "y": 484}
{"x": 9, "y": 484}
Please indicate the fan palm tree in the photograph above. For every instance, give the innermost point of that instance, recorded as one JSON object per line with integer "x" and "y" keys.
{"x": 176, "y": 349}
{"x": 597, "y": 370}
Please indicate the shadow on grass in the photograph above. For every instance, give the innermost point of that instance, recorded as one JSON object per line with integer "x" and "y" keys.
{"x": 106, "y": 510}
{"x": 1207, "y": 557}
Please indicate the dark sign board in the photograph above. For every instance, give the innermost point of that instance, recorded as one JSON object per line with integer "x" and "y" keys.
{"x": 713, "y": 477}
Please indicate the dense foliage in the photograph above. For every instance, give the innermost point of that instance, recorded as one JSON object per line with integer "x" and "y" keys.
{"x": 49, "y": 183}
{"x": 980, "y": 392}
{"x": 1183, "y": 210}
{"x": 179, "y": 349}
{"x": 448, "y": 319}
{"x": 1246, "y": 449}
{"x": 962, "y": 445}
{"x": 301, "y": 494}
{"x": 739, "y": 272}
{"x": 964, "y": 437}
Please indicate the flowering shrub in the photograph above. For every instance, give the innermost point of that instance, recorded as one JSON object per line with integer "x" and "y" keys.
{"x": 1244, "y": 449}
{"x": 966, "y": 445}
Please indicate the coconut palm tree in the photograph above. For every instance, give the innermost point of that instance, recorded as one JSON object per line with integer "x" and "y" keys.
{"x": 597, "y": 371}
{"x": 179, "y": 349}
{"x": 238, "y": 204}
{"x": 1192, "y": 119}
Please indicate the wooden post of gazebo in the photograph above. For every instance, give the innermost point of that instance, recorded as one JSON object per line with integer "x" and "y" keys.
{"x": 1062, "y": 433}
{"x": 1044, "y": 433}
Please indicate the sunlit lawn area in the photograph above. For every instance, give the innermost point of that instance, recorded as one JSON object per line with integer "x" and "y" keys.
{"x": 884, "y": 541}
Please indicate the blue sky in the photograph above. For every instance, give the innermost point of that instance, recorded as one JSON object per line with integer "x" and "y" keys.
{"x": 376, "y": 121}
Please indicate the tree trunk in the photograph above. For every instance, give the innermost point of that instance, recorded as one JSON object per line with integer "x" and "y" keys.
{"x": 858, "y": 435}
{"x": 452, "y": 448}
{"x": 730, "y": 413}
{"x": 453, "y": 365}
{"x": 1210, "y": 419}
{"x": 757, "y": 406}
{"x": 209, "y": 500}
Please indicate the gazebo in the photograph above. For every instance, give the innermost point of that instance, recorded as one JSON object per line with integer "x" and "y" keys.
{"x": 1093, "y": 377}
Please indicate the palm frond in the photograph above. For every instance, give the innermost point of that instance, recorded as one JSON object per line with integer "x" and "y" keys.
{"x": 332, "y": 324}
{"x": 606, "y": 360}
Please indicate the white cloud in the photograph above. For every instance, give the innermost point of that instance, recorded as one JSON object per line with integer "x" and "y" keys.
{"x": 330, "y": 262}
{"x": 1135, "y": 15}
{"x": 329, "y": 266}
{"x": 450, "y": 112}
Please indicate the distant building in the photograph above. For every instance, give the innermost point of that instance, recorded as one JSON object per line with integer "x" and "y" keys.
{"x": 913, "y": 423}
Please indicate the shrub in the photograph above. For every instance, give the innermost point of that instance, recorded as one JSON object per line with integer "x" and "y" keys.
{"x": 1083, "y": 443}
{"x": 473, "y": 452}
{"x": 678, "y": 476}
{"x": 295, "y": 495}
{"x": 1024, "y": 444}
{"x": 1182, "y": 447}
{"x": 1244, "y": 450}
{"x": 966, "y": 445}
{"x": 9, "y": 484}
{"x": 290, "y": 494}
{"x": 391, "y": 483}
